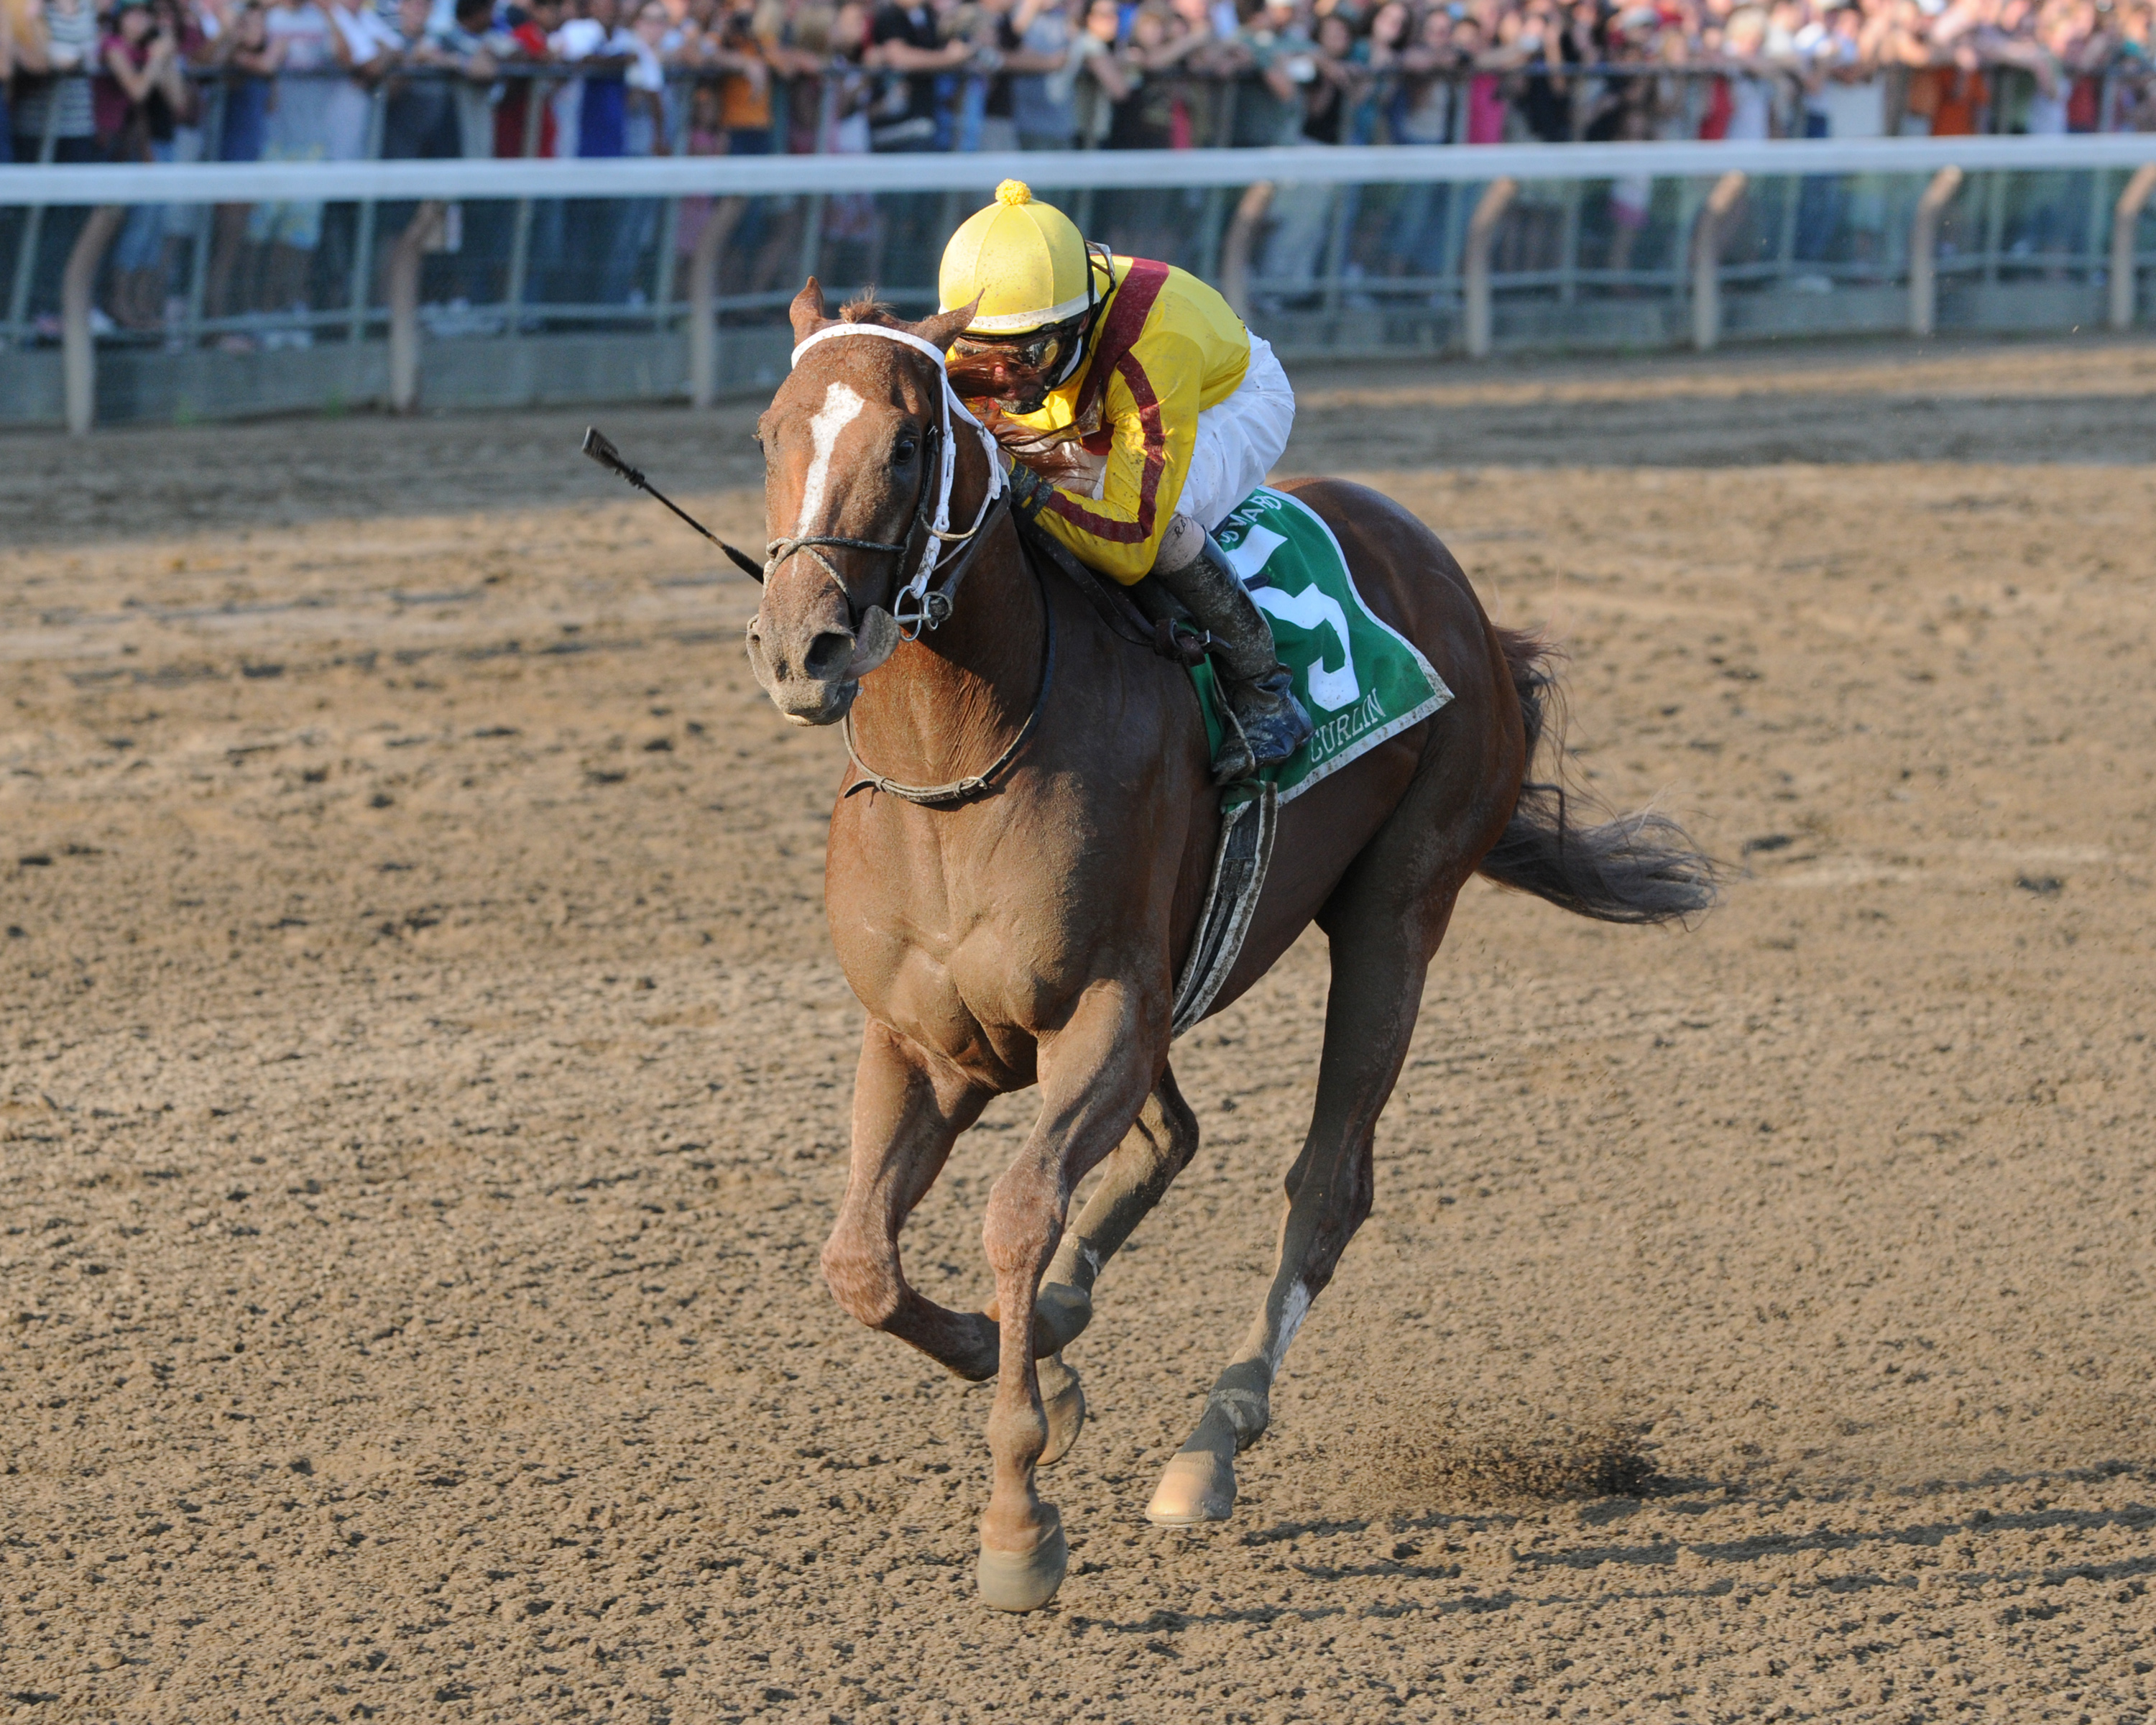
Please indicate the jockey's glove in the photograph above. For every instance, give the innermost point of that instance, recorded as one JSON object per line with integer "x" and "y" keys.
{"x": 1029, "y": 491}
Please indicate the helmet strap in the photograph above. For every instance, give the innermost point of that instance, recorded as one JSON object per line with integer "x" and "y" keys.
{"x": 1096, "y": 254}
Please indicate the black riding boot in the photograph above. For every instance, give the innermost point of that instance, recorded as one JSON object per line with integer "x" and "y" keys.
{"x": 1267, "y": 723}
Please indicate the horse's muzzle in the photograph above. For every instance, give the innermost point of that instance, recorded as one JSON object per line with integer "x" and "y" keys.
{"x": 813, "y": 680}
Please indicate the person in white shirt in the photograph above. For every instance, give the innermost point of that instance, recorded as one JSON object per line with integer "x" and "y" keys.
{"x": 592, "y": 112}
{"x": 643, "y": 133}
{"x": 365, "y": 46}
{"x": 1853, "y": 96}
{"x": 646, "y": 132}
{"x": 593, "y": 37}
{"x": 1751, "y": 93}
{"x": 297, "y": 41}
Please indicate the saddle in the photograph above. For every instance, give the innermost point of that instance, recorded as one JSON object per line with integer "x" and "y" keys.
{"x": 1362, "y": 679}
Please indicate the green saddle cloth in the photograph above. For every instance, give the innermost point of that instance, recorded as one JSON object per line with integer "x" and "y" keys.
{"x": 1361, "y": 679}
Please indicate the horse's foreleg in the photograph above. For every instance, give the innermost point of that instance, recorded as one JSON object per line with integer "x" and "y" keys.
{"x": 907, "y": 1113}
{"x": 1369, "y": 1021}
{"x": 1096, "y": 1072}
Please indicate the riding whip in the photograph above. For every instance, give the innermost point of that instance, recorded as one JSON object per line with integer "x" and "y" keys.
{"x": 601, "y": 449}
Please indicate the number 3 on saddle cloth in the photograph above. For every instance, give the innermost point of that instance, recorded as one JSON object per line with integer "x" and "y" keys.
{"x": 1361, "y": 679}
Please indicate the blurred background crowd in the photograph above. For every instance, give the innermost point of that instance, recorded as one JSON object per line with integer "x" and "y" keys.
{"x": 240, "y": 80}
{"x": 179, "y": 80}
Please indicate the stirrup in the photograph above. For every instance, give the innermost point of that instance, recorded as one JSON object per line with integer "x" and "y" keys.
{"x": 1237, "y": 763}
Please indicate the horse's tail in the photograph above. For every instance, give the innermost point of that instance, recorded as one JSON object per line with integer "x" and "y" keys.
{"x": 1630, "y": 868}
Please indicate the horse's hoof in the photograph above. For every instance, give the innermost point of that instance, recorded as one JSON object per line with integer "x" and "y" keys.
{"x": 1197, "y": 1487}
{"x": 1027, "y": 1580}
{"x": 1063, "y": 1399}
{"x": 1060, "y": 1312}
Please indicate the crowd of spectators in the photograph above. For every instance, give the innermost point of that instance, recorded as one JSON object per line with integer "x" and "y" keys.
{"x": 159, "y": 80}
{"x": 297, "y": 78}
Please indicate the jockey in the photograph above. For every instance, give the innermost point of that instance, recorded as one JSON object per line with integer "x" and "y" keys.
{"x": 1137, "y": 385}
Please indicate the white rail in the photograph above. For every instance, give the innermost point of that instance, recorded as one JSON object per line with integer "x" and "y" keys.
{"x": 1498, "y": 168}
{"x": 688, "y": 176}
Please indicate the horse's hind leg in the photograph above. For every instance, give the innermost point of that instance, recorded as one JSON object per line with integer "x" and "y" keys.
{"x": 1137, "y": 1174}
{"x": 1380, "y": 953}
{"x": 1158, "y": 1147}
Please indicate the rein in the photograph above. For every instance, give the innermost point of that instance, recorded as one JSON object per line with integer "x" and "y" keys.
{"x": 930, "y": 609}
{"x": 1171, "y": 638}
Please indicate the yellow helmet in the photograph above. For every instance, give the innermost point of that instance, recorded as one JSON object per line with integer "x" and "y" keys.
{"x": 1026, "y": 262}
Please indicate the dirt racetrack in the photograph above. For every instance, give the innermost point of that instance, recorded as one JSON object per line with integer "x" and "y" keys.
{"x": 424, "y": 1082}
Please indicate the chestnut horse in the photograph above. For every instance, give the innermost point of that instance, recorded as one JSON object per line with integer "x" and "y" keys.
{"x": 1028, "y": 927}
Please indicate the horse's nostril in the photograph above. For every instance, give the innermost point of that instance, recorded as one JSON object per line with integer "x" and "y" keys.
{"x": 827, "y": 654}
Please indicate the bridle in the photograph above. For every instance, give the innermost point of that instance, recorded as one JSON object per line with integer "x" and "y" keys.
{"x": 918, "y": 606}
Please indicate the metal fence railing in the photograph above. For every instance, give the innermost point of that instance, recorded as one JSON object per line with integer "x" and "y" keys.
{"x": 670, "y": 275}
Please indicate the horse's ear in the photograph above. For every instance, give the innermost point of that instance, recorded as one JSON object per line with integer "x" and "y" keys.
{"x": 807, "y": 310}
{"x": 941, "y": 331}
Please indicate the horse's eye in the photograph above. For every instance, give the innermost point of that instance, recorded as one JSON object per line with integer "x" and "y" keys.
{"x": 902, "y": 452}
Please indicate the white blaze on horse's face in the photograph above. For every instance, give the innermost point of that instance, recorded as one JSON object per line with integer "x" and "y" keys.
{"x": 806, "y": 648}
{"x": 841, "y": 406}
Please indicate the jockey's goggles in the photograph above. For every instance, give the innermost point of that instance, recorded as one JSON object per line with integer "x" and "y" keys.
{"x": 1055, "y": 350}
{"x": 1048, "y": 352}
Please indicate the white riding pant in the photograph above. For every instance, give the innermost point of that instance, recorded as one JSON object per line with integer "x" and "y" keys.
{"x": 1238, "y": 440}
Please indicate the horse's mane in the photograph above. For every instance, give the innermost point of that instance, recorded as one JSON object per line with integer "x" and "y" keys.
{"x": 869, "y": 309}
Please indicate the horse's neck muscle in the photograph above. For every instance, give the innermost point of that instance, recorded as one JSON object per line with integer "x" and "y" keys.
{"x": 944, "y": 706}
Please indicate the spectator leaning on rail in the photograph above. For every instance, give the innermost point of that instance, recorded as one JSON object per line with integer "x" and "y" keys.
{"x": 53, "y": 55}
{"x": 907, "y": 41}
{"x": 523, "y": 118}
{"x": 298, "y": 43}
{"x": 363, "y": 43}
{"x": 643, "y": 133}
{"x": 1166, "y": 412}
{"x": 249, "y": 61}
{"x": 419, "y": 117}
{"x": 55, "y": 51}
{"x": 140, "y": 97}
{"x": 1003, "y": 60}
{"x": 592, "y": 113}
{"x": 465, "y": 46}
